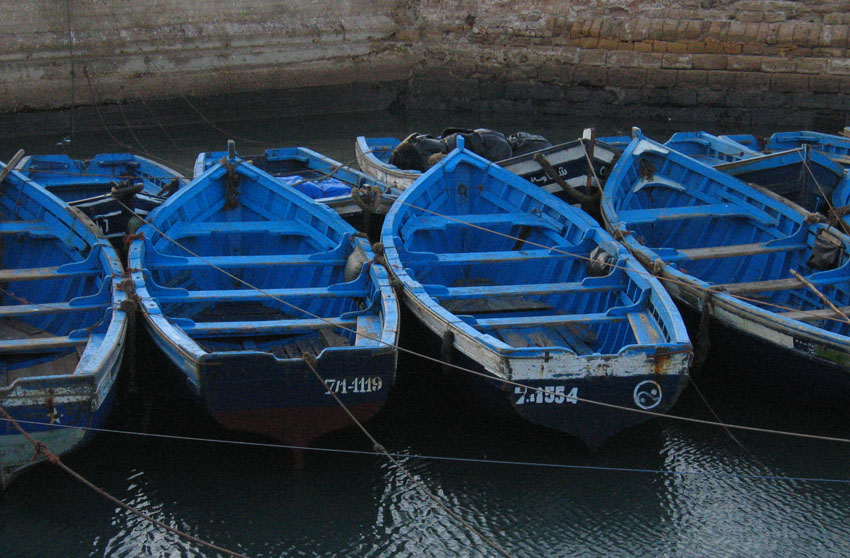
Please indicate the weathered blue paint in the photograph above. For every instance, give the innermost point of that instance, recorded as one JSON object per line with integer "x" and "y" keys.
{"x": 713, "y": 237}
{"x": 61, "y": 320}
{"x": 803, "y": 176}
{"x": 92, "y": 185}
{"x": 319, "y": 177}
{"x": 290, "y": 277}
{"x": 837, "y": 147}
{"x": 498, "y": 270}
{"x": 708, "y": 148}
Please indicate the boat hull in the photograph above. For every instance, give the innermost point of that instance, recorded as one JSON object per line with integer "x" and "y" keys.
{"x": 282, "y": 398}
{"x": 586, "y": 403}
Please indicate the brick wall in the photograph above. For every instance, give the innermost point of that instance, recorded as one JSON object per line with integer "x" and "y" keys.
{"x": 656, "y": 57}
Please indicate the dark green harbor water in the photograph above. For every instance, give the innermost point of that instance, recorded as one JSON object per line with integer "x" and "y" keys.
{"x": 666, "y": 488}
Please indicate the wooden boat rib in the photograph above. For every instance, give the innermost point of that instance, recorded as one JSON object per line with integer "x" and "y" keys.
{"x": 94, "y": 185}
{"x": 522, "y": 305}
{"x": 240, "y": 277}
{"x": 62, "y": 324}
{"x": 344, "y": 189}
{"x": 735, "y": 240}
{"x": 837, "y": 147}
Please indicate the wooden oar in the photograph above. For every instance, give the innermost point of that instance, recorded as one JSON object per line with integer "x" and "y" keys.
{"x": 11, "y": 165}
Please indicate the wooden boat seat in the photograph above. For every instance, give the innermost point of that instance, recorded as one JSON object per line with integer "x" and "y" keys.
{"x": 485, "y": 220}
{"x": 571, "y": 336}
{"x": 546, "y": 321}
{"x": 450, "y": 293}
{"x": 733, "y": 251}
{"x": 638, "y": 216}
{"x": 39, "y": 344}
{"x": 265, "y": 260}
{"x": 643, "y": 328}
{"x": 814, "y": 315}
{"x": 267, "y": 327}
{"x": 182, "y": 230}
{"x": 760, "y": 286}
{"x": 501, "y": 256}
{"x": 18, "y": 310}
{"x": 19, "y": 227}
{"x": 36, "y": 273}
{"x": 232, "y": 295}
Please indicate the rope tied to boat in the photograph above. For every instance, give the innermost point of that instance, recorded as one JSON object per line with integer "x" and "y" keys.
{"x": 368, "y": 197}
{"x": 231, "y": 188}
{"x": 702, "y": 345}
{"x": 312, "y": 365}
{"x": 41, "y": 449}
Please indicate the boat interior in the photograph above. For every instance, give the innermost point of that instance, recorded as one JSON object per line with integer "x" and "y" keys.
{"x": 238, "y": 278}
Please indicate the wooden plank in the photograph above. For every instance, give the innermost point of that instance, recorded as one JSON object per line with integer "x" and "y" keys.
{"x": 38, "y": 344}
{"x": 180, "y": 230}
{"x": 814, "y": 315}
{"x": 760, "y": 286}
{"x": 546, "y": 321}
{"x": 18, "y": 227}
{"x": 36, "y": 273}
{"x": 232, "y": 295}
{"x": 637, "y": 216}
{"x": 643, "y": 328}
{"x": 502, "y": 256}
{"x": 13, "y": 162}
{"x": 736, "y": 250}
{"x": 16, "y": 310}
{"x": 489, "y": 305}
{"x": 573, "y": 287}
{"x": 179, "y": 262}
{"x": 211, "y": 329}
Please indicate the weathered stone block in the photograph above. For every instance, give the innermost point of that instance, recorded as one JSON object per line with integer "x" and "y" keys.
{"x": 676, "y": 62}
{"x": 786, "y": 33}
{"x": 643, "y": 46}
{"x": 744, "y": 63}
{"x": 594, "y": 57}
{"x": 839, "y": 66}
{"x": 590, "y": 75}
{"x": 678, "y": 47}
{"x": 733, "y": 48}
{"x": 788, "y": 82}
{"x": 722, "y": 80}
{"x": 737, "y": 30}
{"x": 692, "y": 79}
{"x": 682, "y": 97}
{"x": 661, "y": 78}
{"x": 631, "y": 59}
{"x": 627, "y": 77}
{"x": 711, "y": 97}
{"x": 811, "y": 65}
{"x": 824, "y": 84}
{"x": 608, "y": 44}
{"x": 709, "y": 61}
{"x": 772, "y": 65}
{"x": 750, "y": 17}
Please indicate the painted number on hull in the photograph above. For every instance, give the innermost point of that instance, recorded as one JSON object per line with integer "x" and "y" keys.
{"x": 360, "y": 384}
{"x": 550, "y": 394}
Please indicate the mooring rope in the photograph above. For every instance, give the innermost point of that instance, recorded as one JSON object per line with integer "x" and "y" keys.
{"x": 42, "y": 449}
{"x": 429, "y": 457}
{"x": 469, "y": 370}
{"x": 310, "y": 361}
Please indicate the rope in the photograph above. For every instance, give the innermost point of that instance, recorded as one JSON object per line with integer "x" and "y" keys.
{"x": 438, "y": 458}
{"x": 310, "y": 361}
{"x": 469, "y": 370}
{"x": 42, "y": 449}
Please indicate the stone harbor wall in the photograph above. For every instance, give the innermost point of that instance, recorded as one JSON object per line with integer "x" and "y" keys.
{"x": 699, "y": 59}
{"x": 723, "y": 58}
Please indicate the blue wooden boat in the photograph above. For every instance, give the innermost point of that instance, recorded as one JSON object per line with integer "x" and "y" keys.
{"x": 550, "y": 168}
{"x": 738, "y": 253}
{"x": 836, "y": 147}
{"x": 240, "y": 277}
{"x": 343, "y": 188}
{"x": 804, "y": 176}
{"x": 96, "y": 185}
{"x": 708, "y": 148}
{"x": 62, "y": 323}
{"x": 513, "y": 283}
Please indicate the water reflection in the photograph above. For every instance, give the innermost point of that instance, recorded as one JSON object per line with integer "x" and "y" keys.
{"x": 252, "y": 500}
